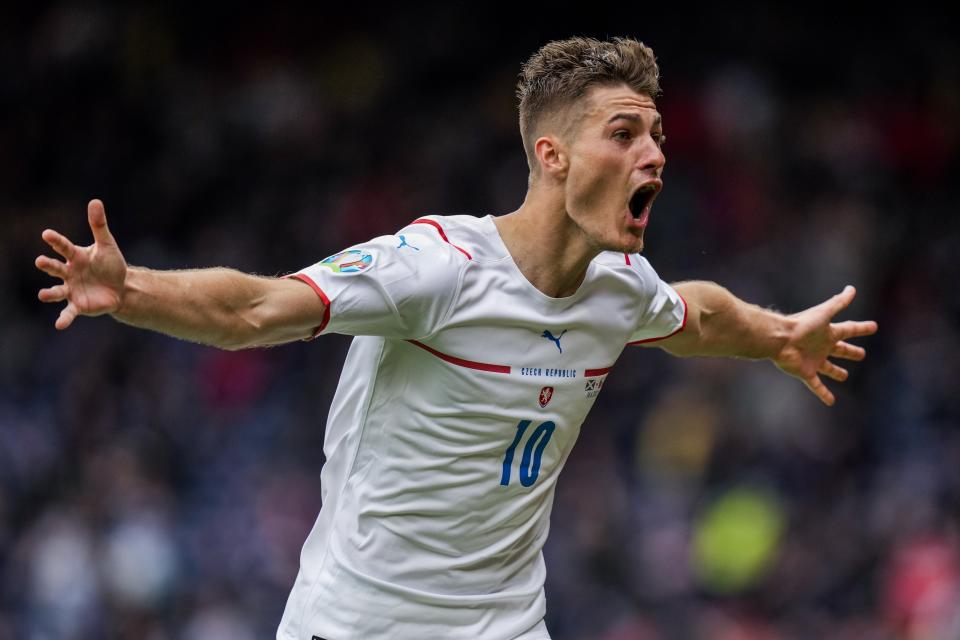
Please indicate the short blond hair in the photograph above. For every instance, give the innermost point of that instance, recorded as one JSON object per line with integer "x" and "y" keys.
{"x": 563, "y": 71}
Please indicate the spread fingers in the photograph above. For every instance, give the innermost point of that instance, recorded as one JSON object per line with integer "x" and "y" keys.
{"x": 51, "y": 267}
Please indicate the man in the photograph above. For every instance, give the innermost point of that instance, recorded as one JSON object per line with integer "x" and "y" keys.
{"x": 482, "y": 343}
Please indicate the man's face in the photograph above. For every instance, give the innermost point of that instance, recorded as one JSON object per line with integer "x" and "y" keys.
{"x": 615, "y": 164}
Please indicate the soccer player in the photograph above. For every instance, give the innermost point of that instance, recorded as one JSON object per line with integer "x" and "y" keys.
{"x": 481, "y": 344}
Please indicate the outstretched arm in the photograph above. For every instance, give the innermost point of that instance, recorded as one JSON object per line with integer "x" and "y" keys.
{"x": 219, "y": 307}
{"x": 720, "y": 324}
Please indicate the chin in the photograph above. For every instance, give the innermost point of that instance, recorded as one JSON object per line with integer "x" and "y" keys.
{"x": 621, "y": 241}
{"x": 633, "y": 245}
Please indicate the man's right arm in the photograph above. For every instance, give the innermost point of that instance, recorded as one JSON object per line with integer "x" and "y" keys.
{"x": 220, "y": 307}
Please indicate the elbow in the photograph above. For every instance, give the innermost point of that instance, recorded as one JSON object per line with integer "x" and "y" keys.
{"x": 234, "y": 346}
{"x": 242, "y": 334}
{"x": 233, "y": 342}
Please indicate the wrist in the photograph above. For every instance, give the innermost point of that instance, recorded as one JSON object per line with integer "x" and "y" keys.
{"x": 132, "y": 285}
{"x": 782, "y": 330}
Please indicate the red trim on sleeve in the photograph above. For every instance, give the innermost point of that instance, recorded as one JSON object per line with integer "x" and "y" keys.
{"x": 302, "y": 277}
{"x": 683, "y": 326}
{"x": 626, "y": 257}
{"x": 436, "y": 226}
{"x": 592, "y": 373}
{"x": 460, "y": 362}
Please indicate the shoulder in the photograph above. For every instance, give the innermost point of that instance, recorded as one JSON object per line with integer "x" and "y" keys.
{"x": 425, "y": 258}
{"x": 631, "y": 267}
{"x": 448, "y": 232}
{"x": 474, "y": 238}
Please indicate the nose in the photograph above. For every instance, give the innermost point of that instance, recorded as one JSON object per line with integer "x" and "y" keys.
{"x": 651, "y": 157}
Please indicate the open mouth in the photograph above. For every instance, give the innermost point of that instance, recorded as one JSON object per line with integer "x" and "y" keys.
{"x": 642, "y": 199}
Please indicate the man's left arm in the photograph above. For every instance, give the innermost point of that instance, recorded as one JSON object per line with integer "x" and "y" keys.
{"x": 720, "y": 324}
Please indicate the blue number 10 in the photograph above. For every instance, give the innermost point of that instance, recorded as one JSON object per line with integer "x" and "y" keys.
{"x": 539, "y": 439}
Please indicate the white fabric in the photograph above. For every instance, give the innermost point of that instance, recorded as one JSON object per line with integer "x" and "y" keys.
{"x": 425, "y": 532}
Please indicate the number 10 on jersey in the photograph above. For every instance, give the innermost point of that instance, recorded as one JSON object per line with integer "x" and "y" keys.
{"x": 532, "y": 452}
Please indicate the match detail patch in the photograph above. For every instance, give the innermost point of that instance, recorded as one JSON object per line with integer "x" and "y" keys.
{"x": 348, "y": 262}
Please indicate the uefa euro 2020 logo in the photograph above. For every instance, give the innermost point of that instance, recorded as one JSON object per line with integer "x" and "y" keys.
{"x": 349, "y": 261}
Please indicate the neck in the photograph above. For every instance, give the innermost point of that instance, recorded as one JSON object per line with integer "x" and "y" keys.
{"x": 550, "y": 250}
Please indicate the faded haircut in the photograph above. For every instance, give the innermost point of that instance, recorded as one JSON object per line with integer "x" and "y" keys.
{"x": 563, "y": 71}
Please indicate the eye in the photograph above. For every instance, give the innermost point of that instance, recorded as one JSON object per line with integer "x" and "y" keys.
{"x": 659, "y": 138}
{"x": 622, "y": 134}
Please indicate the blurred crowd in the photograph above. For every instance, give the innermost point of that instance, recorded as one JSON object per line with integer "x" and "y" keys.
{"x": 156, "y": 489}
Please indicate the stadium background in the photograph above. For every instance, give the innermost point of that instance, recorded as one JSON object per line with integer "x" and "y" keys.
{"x": 156, "y": 489}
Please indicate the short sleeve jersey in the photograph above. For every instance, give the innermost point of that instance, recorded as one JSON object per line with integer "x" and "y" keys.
{"x": 459, "y": 402}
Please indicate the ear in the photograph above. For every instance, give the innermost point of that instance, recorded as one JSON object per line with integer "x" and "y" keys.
{"x": 552, "y": 156}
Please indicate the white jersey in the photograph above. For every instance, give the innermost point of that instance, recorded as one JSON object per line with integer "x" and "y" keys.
{"x": 458, "y": 405}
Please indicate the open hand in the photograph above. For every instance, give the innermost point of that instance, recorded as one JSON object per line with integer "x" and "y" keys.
{"x": 93, "y": 276}
{"x": 814, "y": 338}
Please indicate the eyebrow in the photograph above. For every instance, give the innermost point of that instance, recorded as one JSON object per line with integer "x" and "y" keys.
{"x": 632, "y": 117}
